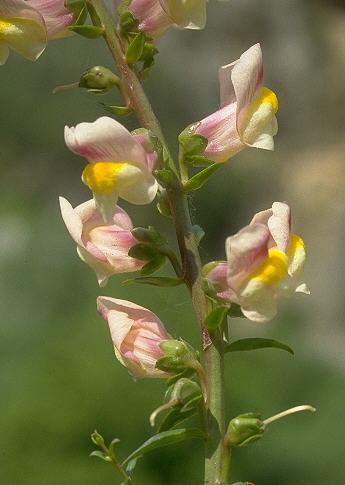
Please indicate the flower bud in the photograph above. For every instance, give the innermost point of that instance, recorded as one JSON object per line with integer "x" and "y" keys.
{"x": 98, "y": 79}
{"x": 245, "y": 429}
{"x": 136, "y": 334}
{"x": 97, "y": 439}
{"x": 177, "y": 356}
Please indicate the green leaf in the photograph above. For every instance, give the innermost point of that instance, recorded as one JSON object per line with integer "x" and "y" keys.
{"x": 165, "y": 438}
{"x": 198, "y": 180}
{"x": 153, "y": 265}
{"x": 131, "y": 465}
{"x": 215, "y": 318}
{"x": 118, "y": 110}
{"x": 257, "y": 343}
{"x": 100, "y": 454}
{"x": 200, "y": 161}
{"x": 176, "y": 377}
{"x": 174, "y": 417}
{"x": 161, "y": 281}
{"x": 136, "y": 48}
{"x": 89, "y": 31}
{"x": 191, "y": 404}
{"x": 163, "y": 203}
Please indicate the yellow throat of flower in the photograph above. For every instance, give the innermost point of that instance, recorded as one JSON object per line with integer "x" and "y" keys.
{"x": 102, "y": 177}
{"x": 267, "y": 97}
{"x": 273, "y": 269}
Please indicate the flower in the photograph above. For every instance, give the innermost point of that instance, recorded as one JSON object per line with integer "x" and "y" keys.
{"x": 136, "y": 334}
{"x": 25, "y": 26}
{"x": 22, "y": 29}
{"x": 247, "y": 113}
{"x": 264, "y": 261}
{"x": 157, "y": 16}
{"x": 57, "y": 17}
{"x": 118, "y": 164}
{"x": 104, "y": 247}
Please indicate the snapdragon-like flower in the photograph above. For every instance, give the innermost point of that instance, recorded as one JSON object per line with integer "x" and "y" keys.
{"x": 264, "y": 261}
{"x": 22, "y": 29}
{"x": 136, "y": 334}
{"x": 57, "y": 17}
{"x": 157, "y": 16}
{"x": 25, "y": 26}
{"x": 118, "y": 164}
{"x": 104, "y": 247}
{"x": 247, "y": 113}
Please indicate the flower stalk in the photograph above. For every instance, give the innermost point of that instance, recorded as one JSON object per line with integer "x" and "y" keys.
{"x": 191, "y": 264}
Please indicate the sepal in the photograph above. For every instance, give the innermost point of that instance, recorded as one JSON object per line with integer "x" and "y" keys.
{"x": 177, "y": 356}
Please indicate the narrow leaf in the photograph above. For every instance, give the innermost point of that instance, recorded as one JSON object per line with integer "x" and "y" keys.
{"x": 174, "y": 417}
{"x": 198, "y": 180}
{"x": 89, "y": 31}
{"x": 136, "y": 48}
{"x": 257, "y": 343}
{"x": 200, "y": 161}
{"x": 215, "y": 318}
{"x": 165, "y": 438}
{"x": 101, "y": 455}
{"x": 153, "y": 265}
{"x": 161, "y": 281}
{"x": 118, "y": 110}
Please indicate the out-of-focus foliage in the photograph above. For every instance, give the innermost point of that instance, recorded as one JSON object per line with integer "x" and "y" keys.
{"x": 59, "y": 378}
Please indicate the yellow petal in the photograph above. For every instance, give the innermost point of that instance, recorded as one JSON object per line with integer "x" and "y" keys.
{"x": 109, "y": 177}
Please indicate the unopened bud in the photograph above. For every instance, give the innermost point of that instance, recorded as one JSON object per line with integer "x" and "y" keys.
{"x": 98, "y": 79}
{"x": 97, "y": 439}
{"x": 245, "y": 429}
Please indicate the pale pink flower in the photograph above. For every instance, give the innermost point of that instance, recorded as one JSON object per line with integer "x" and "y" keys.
{"x": 25, "y": 26}
{"x": 157, "y": 16}
{"x": 22, "y": 29}
{"x": 247, "y": 113}
{"x": 264, "y": 261}
{"x": 57, "y": 17}
{"x": 104, "y": 247}
{"x": 136, "y": 334}
{"x": 118, "y": 164}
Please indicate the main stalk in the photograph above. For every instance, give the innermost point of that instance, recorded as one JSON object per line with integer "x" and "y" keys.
{"x": 212, "y": 346}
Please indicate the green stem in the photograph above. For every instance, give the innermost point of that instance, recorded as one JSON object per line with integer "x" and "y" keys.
{"x": 188, "y": 246}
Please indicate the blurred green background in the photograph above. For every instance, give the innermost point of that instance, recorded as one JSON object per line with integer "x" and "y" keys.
{"x": 59, "y": 377}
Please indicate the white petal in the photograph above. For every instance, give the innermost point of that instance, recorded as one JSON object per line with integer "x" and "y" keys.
{"x": 142, "y": 192}
{"x": 104, "y": 140}
{"x": 72, "y": 220}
